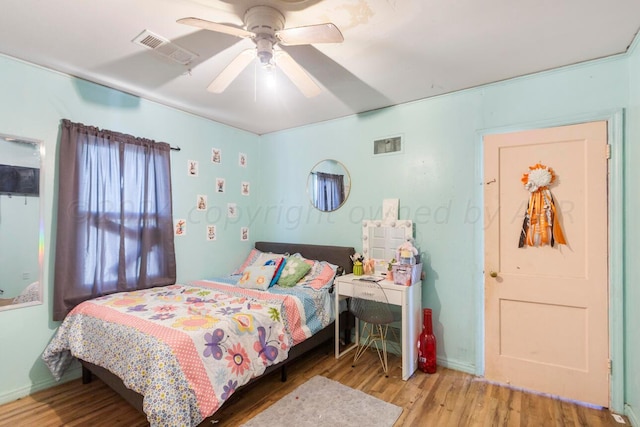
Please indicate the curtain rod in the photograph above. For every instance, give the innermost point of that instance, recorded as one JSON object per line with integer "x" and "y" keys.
{"x": 175, "y": 148}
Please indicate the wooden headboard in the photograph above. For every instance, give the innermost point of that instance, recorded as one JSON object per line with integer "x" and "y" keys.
{"x": 337, "y": 255}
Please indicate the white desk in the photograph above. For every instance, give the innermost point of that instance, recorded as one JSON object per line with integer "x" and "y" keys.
{"x": 407, "y": 297}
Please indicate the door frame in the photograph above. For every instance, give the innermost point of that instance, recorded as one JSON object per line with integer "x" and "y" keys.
{"x": 615, "y": 187}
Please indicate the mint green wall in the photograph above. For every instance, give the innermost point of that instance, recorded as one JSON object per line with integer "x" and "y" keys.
{"x": 437, "y": 179}
{"x": 33, "y": 102}
{"x": 632, "y": 249}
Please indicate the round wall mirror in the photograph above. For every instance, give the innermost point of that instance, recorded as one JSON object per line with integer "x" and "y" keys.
{"x": 328, "y": 185}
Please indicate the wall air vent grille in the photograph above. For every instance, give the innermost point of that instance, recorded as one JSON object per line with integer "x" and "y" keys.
{"x": 164, "y": 47}
{"x": 388, "y": 145}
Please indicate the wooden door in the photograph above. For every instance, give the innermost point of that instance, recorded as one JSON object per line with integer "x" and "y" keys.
{"x": 546, "y": 311}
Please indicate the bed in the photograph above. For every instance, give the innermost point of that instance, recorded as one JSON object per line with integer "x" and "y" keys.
{"x": 179, "y": 363}
{"x": 30, "y": 294}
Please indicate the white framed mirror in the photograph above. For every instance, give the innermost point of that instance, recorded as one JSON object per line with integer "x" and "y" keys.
{"x": 380, "y": 240}
{"x": 21, "y": 221}
{"x": 328, "y": 185}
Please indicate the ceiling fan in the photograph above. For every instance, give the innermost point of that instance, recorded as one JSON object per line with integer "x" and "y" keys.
{"x": 265, "y": 26}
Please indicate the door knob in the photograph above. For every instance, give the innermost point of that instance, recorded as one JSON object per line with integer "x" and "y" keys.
{"x": 493, "y": 274}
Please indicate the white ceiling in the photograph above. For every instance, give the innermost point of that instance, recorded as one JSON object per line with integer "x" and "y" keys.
{"x": 394, "y": 50}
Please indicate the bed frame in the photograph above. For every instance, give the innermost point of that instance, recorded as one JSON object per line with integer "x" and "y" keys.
{"x": 337, "y": 255}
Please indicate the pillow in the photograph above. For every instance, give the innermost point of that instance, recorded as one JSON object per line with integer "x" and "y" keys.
{"x": 321, "y": 276}
{"x": 265, "y": 257}
{"x": 257, "y": 277}
{"x": 269, "y": 258}
{"x": 279, "y": 267}
{"x": 253, "y": 255}
{"x": 294, "y": 269}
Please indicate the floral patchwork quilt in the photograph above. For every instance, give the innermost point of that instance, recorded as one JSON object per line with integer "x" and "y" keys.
{"x": 186, "y": 348}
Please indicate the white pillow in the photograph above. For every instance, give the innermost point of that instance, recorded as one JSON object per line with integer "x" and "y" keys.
{"x": 265, "y": 257}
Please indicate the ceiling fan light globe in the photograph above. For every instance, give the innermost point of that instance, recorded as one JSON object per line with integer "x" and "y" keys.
{"x": 265, "y": 57}
{"x": 264, "y": 50}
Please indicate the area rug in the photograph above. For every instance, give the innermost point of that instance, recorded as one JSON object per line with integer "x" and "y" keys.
{"x": 324, "y": 402}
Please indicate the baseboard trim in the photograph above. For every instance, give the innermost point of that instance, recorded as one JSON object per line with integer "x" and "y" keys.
{"x": 457, "y": 365}
{"x": 633, "y": 417}
{"x": 71, "y": 374}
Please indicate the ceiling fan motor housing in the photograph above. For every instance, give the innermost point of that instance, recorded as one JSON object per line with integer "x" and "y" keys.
{"x": 264, "y": 21}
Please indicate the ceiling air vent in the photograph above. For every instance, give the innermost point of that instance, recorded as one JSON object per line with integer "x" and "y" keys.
{"x": 164, "y": 47}
{"x": 388, "y": 145}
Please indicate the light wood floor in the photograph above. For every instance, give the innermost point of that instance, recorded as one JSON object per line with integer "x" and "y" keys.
{"x": 447, "y": 398}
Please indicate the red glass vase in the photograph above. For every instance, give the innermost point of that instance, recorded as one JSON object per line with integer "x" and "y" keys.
{"x": 427, "y": 345}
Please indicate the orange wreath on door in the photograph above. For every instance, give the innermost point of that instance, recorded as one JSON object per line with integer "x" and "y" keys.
{"x": 541, "y": 225}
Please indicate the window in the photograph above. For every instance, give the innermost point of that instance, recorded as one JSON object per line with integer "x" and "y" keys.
{"x": 114, "y": 216}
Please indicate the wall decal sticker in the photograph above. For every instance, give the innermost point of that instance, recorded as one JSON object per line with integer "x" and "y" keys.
{"x": 201, "y": 202}
{"x": 232, "y": 210}
{"x": 216, "y": 155}
{"x": 219, "y": 185}
{"x": 180, "y": 227}
{"x": 192, "y": 167}
{"x": 244, "y": 189}
{"x": 211, "y": 232}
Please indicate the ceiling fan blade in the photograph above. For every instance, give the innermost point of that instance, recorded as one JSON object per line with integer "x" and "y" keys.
{"x": 319, "y": 33}
{"x": 231, "y": 71}
{"x": 297, "y": 74}
{"x": 214, "y": 26}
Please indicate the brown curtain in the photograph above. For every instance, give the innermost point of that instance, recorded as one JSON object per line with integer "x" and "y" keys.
{"x": 115, "y": 227}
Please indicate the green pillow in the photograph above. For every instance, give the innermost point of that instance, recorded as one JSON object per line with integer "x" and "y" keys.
{"x": 294, "y": 270}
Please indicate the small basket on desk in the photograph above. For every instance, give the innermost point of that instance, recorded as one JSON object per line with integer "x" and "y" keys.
{"x": 406, "y": 274}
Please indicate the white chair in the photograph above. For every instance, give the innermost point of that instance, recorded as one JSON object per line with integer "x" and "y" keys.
{"x": 370, "y": 305}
